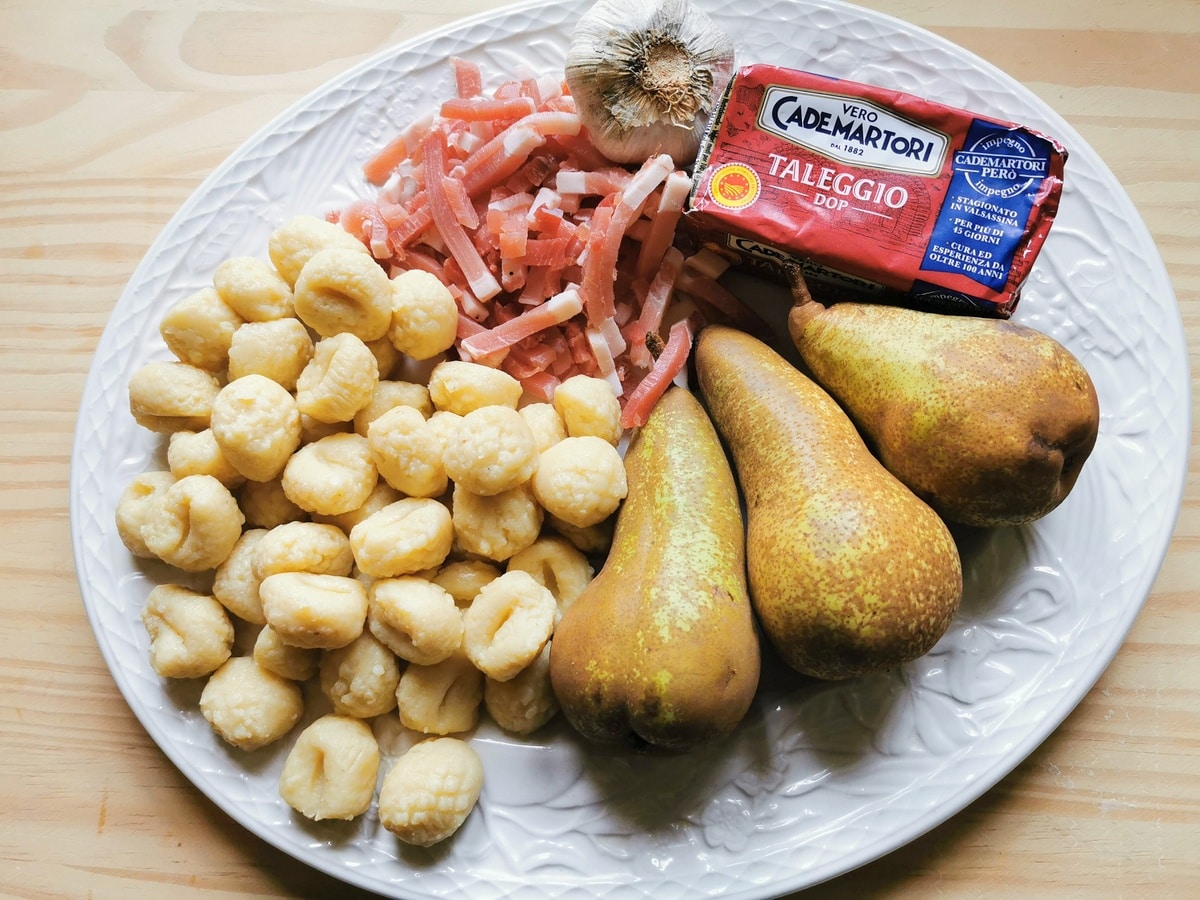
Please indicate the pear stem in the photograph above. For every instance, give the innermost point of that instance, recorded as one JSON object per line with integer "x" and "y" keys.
{"x": 804, "y": 307}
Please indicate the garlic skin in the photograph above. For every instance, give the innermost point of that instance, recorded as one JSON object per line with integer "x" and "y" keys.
{"x": 646, "y": 75}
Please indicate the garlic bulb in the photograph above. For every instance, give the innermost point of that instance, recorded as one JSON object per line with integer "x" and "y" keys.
{"x": 645, "y": 75}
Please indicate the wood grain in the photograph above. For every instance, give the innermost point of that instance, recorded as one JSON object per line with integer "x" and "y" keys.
{"x": 112, "y": 112}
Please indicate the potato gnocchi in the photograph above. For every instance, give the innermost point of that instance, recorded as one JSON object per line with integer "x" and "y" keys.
{"x": 495, "y": 527}
{"x": 248, "y": 706}
{"x": 199, "y": 330}
{"x": 588, "y": 406}
{"x": 278, "y": 349}
{"x": 404, "y": 537}
{"x": 428, "y": 793}
{"x": 424, "y": 315}
{"x": 338, "y": 381}
{"x": 342, "y": 291}
{"x": 253, "y": 289}
{"x": 407, "y": 453}
{"x": 257, "y": 426}
{"x": 442, "y": 698}
{"x": 415, "y": 618}
{"x": 302, "y": 547}
{"x": 361, "y": 678}
{"x": 581, "y": 480}
{"x": 314, "y": 611}
{"x": 525, "y": 702}
{"x": 331, "y": 476}
{"x": 172, "y": 396}
{"x": 461, "y": 387}
{"x": 193, "y": 525}
{"x": 508, "y": 625}
{"x": 190, "y": 634}
{"x": 136, "y": 506}
{"x": 491, "y": 451}
{"x": 330, "y": 771}
{"x": 392, "y": 543}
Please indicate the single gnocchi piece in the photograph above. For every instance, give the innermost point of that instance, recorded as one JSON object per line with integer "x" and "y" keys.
{"x": 525, "y": 702}
{"x": 331, "y": 476}
{"x": 257, "y": 426}
{"x": 557, "y": 565}
{"x": 461, "y": 387}
{"x": 491, "y": 451}
{"x": 496, "y": 527}
{"x": 344, "y": 291}
{"x": 360, "y": 679}
{"x": 190, "y": 633}
{"x": 330, "y": 771}
{"x": 588, "y": 406}
{"x": 172, "y": 396}
{"x": 198, "y": 453}
{"x": 249, "y": 707}
{"x": 508, "y": 625}
{"x": 194, "y": 525}
{"x": 443, "y": 698}
{"x": 463, "y": 579}
{"x": 253, "y": 288}
{"x": 424, "y": 315}
{"x": 301, "y": 237}
{"x": 235, "y": 585}
{"x": 545, "y": 424}
{"x": 199, "y": 330}
{"x": 302, "y": 547}
{"x": 415, "y": 618}
{"x": 285, "y": 660}
{"x": 407, "y": 452}
{"x": 408, "y": 536}
{"x": 265, "y": 505}
{"x": 339, "y": 380}
{"x": 278, "y": 349}
{"x": 389, "y": 394}
{"x": 581, "y": 480}
{"x": 314, "y": 611}
{"x": 136, "y": 505}
{"x": 430, "y": 791}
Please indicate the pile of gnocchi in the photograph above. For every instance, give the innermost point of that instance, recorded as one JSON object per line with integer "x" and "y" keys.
{"x": 398, "y": 529}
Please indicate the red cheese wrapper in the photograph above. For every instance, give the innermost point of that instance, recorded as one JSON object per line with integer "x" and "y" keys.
{"x": 878, "y": 194}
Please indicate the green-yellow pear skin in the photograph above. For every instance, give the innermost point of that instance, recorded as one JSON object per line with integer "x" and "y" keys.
{"x": 661, "y": 647}
{"x": 849, "y": 572}
{"x": 986, "y": 420}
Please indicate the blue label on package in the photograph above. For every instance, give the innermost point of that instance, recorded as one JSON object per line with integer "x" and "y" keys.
{"x": 996, "y": 180}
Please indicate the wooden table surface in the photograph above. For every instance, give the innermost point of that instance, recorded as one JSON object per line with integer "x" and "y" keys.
{"x": 113, "y": 111}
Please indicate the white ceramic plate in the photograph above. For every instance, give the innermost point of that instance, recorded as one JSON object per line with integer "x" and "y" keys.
{"x": 819, "y": 779}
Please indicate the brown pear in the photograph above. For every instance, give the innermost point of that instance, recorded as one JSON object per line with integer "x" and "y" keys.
{"x": 661, "y": 647}
{"x": 849, "y": 572}
{"x": 987, "y": 420}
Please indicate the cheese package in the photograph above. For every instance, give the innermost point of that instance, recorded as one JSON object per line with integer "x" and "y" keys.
{"x": 877, "y": 194}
